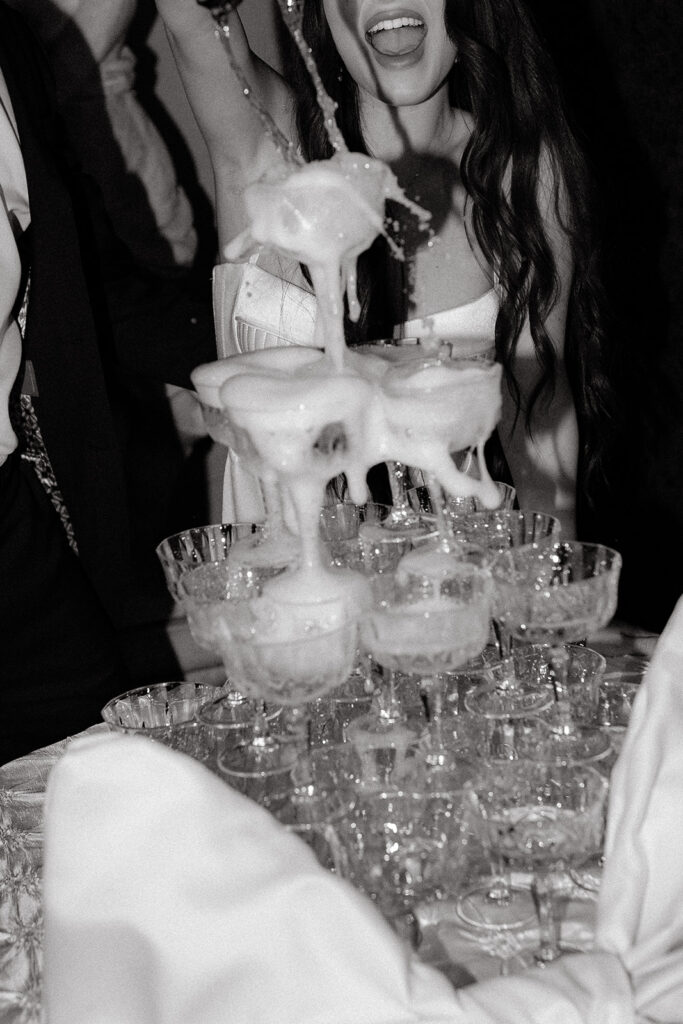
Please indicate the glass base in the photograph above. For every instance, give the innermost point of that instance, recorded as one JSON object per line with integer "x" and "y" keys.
{"x": 588, "y": 878}
{"x": 407, "y": 523}
{"x": 237, "y": 713}
{"x": 479, "y": 906}
{"x": 544, "y": 958}
{"x": 495, "y": 702}
{"x": 382, "y": 747}
{"x": 584, "y": 745}
{"x": 258, "y": 759}
{"x": 371, "y": 732}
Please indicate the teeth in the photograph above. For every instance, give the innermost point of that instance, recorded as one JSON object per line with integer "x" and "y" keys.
{"x": 383, "y": 26}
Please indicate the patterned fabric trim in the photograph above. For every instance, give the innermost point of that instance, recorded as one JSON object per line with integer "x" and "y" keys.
{"x": 24, "y": 416}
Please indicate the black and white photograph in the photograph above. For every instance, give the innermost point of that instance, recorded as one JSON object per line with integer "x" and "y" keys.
{"x": 341, "y": 506}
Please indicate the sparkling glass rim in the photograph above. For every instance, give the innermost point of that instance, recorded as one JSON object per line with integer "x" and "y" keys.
{"x": 167, "y": 543}
{"x": 519, "y": 557}
{"x": 212, "y": 692}
{"x": 525, "y": 769}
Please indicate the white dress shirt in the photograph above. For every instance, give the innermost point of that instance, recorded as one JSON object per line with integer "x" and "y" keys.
{"x": 14, "y": 219}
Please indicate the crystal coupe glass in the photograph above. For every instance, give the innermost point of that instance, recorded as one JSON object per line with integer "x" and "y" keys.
{"x": 201, "y": 545}
{"x": 211, "y": 547}
{"x": 619, "y": 687}
{"x": 277, "y": 543}
{"x": 289, "y": 653}
{"x": 514, "y": 732}
{"x": 370, "y": 540}
{"x": 409, "y": 845}
{"x": 543, "y": 819}
{"x": 504, "y": 528}
{"x": 497, "y": 530}
{"x": 489, "y": 695}
{"x": 295, "y": 671}
{"x": 421, "y": 500}
{"x": 557, "y": 594}
{"x": 425, "y": 624}
{"x": 211, "y": 595}
{"x": 160, "y": 710}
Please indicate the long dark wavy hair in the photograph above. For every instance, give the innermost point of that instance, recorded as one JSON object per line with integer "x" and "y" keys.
{"x": 506, "y": 80}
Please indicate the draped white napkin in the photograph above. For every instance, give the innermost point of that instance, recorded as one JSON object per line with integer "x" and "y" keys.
{"x": 171, "y": 899}
{"x": 640, "y": 913}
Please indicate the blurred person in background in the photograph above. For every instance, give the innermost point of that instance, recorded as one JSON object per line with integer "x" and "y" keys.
{"x": 95, "y": 242}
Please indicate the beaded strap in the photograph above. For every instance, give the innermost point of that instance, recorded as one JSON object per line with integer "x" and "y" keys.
{"x": 24, "y": 416}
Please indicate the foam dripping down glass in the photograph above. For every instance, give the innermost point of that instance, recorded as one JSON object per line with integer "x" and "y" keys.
{"x": 304, "y": 417}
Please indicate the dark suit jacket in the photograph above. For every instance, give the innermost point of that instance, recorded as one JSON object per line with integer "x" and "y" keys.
{"x": 69, "y": 337}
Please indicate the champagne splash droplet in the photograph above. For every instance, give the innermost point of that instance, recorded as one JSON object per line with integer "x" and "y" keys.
{"x": 292, "y": 15}
{"x": 220, "y": 12}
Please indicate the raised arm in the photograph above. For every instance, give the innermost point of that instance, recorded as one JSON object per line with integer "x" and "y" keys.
{"x": 544, "y": 461}
{"x": 239, "y": 146}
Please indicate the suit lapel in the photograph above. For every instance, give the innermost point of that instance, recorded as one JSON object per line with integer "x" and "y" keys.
{"x": 61, "y": 336}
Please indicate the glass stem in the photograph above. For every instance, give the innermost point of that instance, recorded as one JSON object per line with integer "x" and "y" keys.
{"x": 340, "y": 857}
{"x": 300, "y": 728}
{"x": 261, "y": 737}
{"x": 504, "y": 641}
{"x": 408, "y": 927}
{"x": 502, "y": 742}
{"x": 438, "y": 501}
{"x": 232, "y": 695}
{"x": 500, "y": 891}
{"x": 366, "y": 670}
{"x": 297, "y": 724}
{"x": 390, "y": 704}
{"x": 401, "y": 509}
{"x": 433, "y": 689}
{"x": 548, "y": 949}
{"x": 558, "y": 663}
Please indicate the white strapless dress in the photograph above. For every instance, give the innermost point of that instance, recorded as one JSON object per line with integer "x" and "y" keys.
{"x": 266, "y": 302}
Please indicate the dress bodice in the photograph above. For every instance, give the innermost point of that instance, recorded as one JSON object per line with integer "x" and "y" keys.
{"x": 257, "y": 308}
{"x": 470, "y": 327}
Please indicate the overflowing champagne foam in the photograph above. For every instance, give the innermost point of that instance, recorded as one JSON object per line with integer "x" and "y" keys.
{"x": 309, "y": 415}
{"x": 305, "y": 416}
{"x": 318, "y": 421}
{"x": 324, "y": 214}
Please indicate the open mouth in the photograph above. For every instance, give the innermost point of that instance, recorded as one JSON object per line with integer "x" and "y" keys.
{"x": 395, "y": 37}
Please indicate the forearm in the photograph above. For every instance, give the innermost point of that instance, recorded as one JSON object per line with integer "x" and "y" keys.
{"x": 229, "y": 122}
{"x": 240, "y": 147}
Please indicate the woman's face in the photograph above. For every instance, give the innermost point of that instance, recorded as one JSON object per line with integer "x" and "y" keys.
{"x": 395, "y": 50}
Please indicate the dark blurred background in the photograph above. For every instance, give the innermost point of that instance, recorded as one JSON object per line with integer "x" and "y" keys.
{"x": 620, "y": 62}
